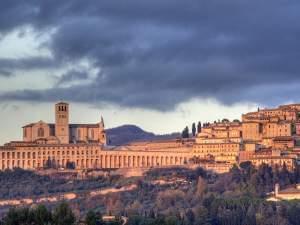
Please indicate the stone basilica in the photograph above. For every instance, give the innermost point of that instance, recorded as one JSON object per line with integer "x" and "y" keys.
{"x": 62, "y": 132}
{"x": 84, "y": 146}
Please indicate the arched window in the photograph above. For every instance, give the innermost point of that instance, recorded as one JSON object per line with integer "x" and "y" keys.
{"x": 41, "y": 132}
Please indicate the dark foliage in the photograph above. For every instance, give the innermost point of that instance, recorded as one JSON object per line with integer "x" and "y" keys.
{"x": 188, "y": 197}
{"x": 21, "y": 183}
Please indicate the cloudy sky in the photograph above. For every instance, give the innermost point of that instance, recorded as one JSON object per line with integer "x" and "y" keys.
{"x": 158, "y": 64}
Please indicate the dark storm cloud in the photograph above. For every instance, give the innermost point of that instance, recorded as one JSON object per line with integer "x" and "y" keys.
{"x": 156, "y": 54}
{"x": 72, "y": 75}
{"x": 5, "y": 73}
{"x": 30, "y": 63}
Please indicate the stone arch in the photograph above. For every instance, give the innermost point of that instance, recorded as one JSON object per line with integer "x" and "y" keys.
{"x": 110, "y": 161}
{"x": 101, "y": 164}
{"x": 167, "y": 160}
{"x": 124, "y": 161}
{"x": 138, "y": 161}
{"x": 63, "y": 163}
{"x": 129, "y": 161}
{"x": 120, "y": 161}
{"x": 116, "y": 161}
{"x": 105, "y": 161}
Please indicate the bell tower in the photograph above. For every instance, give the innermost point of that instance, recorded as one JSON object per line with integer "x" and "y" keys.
{"x": 62, "y": 122}
{"x": 102, "y": 135}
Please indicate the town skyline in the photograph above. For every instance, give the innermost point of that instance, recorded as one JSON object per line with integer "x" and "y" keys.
{"x": 143, "y": 62}
{"x": 265, "y": 136}
{"x": 83, "y": 113}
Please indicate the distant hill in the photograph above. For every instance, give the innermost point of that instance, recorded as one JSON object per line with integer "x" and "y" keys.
{"x": 128, "y": 133}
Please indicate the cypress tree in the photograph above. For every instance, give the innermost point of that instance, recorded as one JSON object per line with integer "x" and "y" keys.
{"x": 194, "y": 129}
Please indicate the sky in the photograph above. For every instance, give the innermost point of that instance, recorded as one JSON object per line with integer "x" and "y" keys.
{"x": 158, "y": 64}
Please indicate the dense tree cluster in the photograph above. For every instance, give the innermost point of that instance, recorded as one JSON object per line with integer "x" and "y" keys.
{"x": 195, "y": 130}
{"x": 21, "y": 183}
{"x": 235, "y": 198}
{"x": 185, "y": 133}
{"x": 61, "y": 215}
{"x": 194, "y": 197}
{"x": 40, "y": 215}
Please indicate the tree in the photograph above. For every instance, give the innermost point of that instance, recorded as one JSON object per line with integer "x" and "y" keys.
{"x": 236, "y": 173}
{"x": 199, "y": 127}
{"x": 48, "y": 163}
{"x": 63, "y": 215}
{"x": 12, "y": 217}
{"x": 185, "y": 132}
{"x": 190, "y": 216}
{"x": 93, "y": 218}
{"x": 250, "y": 216}
{"x": 70, "y": 165}
{"x": 284, "y": 175}
{"x": 225, "y": 120}
{"x": 201, "y": 215}
{"x": 171, "y": 220}
{"x": 41, "y": 215}
{"x": 294, "y": 214}
{"x": 201, "y": 187}
{"x": 19, "y": 217}
{"x": 194, "y": 129}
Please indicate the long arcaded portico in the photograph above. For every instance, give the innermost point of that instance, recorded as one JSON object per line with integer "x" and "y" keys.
{"x": 85, "y": 156}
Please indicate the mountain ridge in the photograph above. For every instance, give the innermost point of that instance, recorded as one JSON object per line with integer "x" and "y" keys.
{"x": 127, "y": 133}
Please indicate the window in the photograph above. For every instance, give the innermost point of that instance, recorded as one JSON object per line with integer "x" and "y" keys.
{"x": 79, "y": 134}
{"x": 41, "y": 132}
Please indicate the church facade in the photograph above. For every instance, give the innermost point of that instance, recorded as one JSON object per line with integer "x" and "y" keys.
{"x": 62, "y": 132}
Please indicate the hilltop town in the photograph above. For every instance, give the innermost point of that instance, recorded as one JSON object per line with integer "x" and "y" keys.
{"x": 269, "y": 136}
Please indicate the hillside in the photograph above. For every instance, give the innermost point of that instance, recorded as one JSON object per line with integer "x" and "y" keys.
{"x": 128, "y": 133}
{"x": 164, "y": 196}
